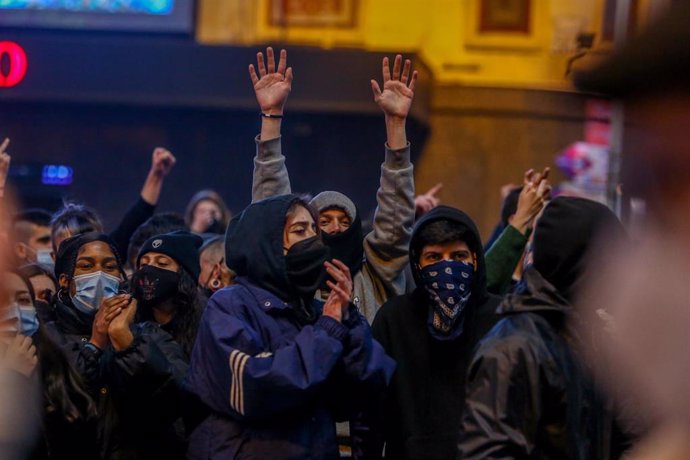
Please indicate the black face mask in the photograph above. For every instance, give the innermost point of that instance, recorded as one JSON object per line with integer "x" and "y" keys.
{"x": 347, "y": 246}
{"x": 152, "y": 285}
{"x": 305, "y": 269}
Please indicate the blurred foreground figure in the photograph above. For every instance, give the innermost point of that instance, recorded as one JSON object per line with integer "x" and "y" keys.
{"x": 528, "y": 393}
{"x": 19, "y": 399}
{"x": 642, "y": 290}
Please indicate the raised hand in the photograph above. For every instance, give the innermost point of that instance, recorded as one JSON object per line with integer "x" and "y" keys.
{"x": 427, "y": 201}
{"x": 532, "y": 199}
{"x": 5, "y": 160}
{"x": 398, "y": 89}
{"x": 162, "y": 161}
{"x": 341, "y": 291}
{"x": 271, "y": 86}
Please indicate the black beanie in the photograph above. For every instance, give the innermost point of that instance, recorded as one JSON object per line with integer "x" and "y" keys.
{"x": 66, "y": 257}
{"x": 181, "y": 245}
{"x": 564, "y": 237}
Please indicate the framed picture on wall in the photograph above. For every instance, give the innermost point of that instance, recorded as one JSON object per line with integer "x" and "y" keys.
{"x": 510, "y": 16}
{"x": 505, "y": 24}
{"x": 313, "y": 13}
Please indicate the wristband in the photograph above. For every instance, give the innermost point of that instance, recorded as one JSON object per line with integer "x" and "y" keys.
{"x": 268, "y": 115}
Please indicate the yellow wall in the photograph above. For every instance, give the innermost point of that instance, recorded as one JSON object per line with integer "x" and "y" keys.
{"x": 441, "y": 31}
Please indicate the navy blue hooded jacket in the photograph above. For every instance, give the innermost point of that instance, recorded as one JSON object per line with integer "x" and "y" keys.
{"x": 275, "y": 386}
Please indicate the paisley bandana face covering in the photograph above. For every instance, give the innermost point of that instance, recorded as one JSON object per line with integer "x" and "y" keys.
{"x": 449, "y": 287}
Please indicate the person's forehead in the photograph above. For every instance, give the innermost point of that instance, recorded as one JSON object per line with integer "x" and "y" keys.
{"x": 156, "y": 255}
{"x": 457, "y": 245}
{"x": 39, "y": 231}
{"x": 95, "y": 249}
{"x": 333, "y": 213}
{"x": 42, "y": 280}
{"x": 14, "y": 283}
{"x": 207, "y": 204}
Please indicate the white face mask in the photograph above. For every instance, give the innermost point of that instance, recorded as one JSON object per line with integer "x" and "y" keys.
{"x": 45, "y": 257}
{"x": 91, "y": 289}
{"x": 9, "y": 318}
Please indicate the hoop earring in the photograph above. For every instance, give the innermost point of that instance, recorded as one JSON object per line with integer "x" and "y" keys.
{"x": 215, "y": 284}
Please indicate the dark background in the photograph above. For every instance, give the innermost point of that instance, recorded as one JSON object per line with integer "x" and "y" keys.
{"x": 101, "y": 103}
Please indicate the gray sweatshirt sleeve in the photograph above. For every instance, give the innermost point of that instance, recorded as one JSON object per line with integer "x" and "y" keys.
{"x": 386, "y": 246}
{"x": 270, "y": 173}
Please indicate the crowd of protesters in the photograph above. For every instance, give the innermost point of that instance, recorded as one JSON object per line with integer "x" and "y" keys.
{"x": 287, "y": 332}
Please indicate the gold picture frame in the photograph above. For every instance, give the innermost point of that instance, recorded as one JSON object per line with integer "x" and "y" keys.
{"x": 313, "y": 13}
{"x": 505, "y": 24}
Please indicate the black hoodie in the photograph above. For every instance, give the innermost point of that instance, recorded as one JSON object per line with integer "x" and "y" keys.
{"x": 425, "y": 398}
{"x": 528, "y": 393}
{"x": 254, "y": 245}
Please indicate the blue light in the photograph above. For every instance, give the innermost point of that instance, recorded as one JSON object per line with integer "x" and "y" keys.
{"x": 155, "y": 7}
{"x": 57, "y": 175}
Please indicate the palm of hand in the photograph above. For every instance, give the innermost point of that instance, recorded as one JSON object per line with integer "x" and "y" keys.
{"x": 395, "y": 99}
{"x": 272, "y": 91}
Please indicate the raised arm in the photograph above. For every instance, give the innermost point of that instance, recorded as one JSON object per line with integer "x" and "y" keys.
{"x": 162, "y": 162}
{"x": 272, "y": 87}
{"x": 505, "y": 254}
{"x": 386, "y": 247}
{"x": 5, "y": 160}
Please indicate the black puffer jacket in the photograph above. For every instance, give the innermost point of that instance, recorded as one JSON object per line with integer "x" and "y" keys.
{"x": 425, "y": 398}
{"x": 137, "y": 391}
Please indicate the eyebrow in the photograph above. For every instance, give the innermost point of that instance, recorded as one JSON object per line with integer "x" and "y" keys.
{"x": 300, "y": 223}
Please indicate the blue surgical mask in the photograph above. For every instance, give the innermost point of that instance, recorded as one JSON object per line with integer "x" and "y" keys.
{"x": 449, "y": 286}
{"x": 44, "y": 257}
{"x": 9, "y": 318}
{"x": 28, "y": 321}
{"x": 92, "y": 289}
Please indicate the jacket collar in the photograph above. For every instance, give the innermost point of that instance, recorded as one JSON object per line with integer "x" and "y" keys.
{"x": 536, "y": 295}
{"x": 266, "y": 300}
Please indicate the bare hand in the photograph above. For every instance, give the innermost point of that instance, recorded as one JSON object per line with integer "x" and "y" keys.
{"x": 5, "y": 160}
{"x": 272, "y": 86}
{"x": 110, "y": 309}
{"x": 119, "y": 330}
{"x": 341, "y": 291}
{"x": 20, "y": 355}
{"x": 532, "y": 199}
{"x": 162, "y": 162}
{"x": 427, "y": 201}
{"x": 398, "y": 90}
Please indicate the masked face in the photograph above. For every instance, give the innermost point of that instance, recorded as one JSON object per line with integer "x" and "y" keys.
{"x": 448, "y": 285}
{"x": 9, "y": 319}
{"x": 305, "y": 265}
{"x": 16, "y": 316}
{"x": 152, "y": 286}
{"x": 45, "y": 257}
{"x": 28, "y": 320}
{"x": 91, "y": 289}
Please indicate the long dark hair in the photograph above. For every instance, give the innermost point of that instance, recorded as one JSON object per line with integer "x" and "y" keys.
{"x": 188, "y": 308}
{"x": 62, "y": 386}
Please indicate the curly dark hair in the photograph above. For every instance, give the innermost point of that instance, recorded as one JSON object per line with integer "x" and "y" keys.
{"x": 188, "y": 308}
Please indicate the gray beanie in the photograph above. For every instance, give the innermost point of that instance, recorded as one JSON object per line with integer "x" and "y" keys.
{"x": 330, "y": 199}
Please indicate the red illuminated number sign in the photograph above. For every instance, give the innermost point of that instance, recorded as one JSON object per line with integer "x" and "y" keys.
{"x": 14, "y": 73}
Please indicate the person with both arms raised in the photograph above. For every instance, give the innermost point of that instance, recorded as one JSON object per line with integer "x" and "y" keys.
{"x": 376, "y": 261}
